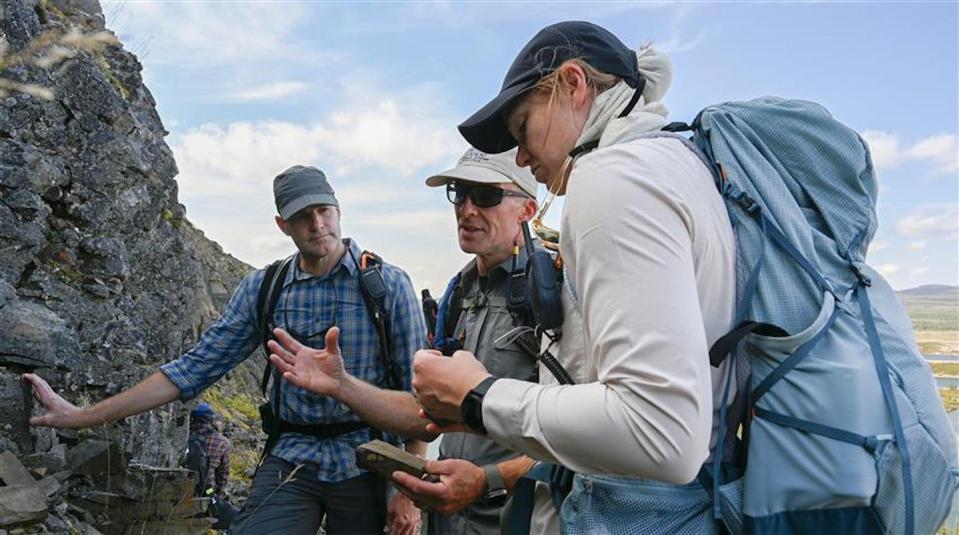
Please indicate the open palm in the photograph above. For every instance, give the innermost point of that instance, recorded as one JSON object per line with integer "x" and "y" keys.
{"x": 317, "y": 370}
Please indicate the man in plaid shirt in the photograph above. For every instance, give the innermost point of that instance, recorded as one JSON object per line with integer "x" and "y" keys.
{"x": 218, "y": 448}
{"x": 308, "y": 475}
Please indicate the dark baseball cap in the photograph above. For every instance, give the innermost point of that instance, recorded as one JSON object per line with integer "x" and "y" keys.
{"x": 551, "y": 47}
{"x": 301, "y": 186}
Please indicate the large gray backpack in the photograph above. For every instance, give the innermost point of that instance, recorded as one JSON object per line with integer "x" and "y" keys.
{"x": 844, "y": 430}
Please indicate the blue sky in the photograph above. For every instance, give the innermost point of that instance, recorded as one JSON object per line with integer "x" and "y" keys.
{"x": 371, "y": 93}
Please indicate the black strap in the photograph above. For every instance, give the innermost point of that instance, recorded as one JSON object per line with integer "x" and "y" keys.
{"x": 635, "y": 98}
{"x": 266, "y": 300}
{"x": 728, "y": 342}
{"x": 676, "y": 127}
{"x": 322, "y": 431}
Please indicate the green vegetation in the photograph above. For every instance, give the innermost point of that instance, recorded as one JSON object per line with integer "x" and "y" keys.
{"x": 242, "y": 464}
{"x": 932, "y": 307}
{"x": 950, "y": 398}
{"x": 49, "y": 9}
{"x": 934, "y": 318}
{"x": 167, "y": 215}
{"x": 101, "y": 62}
{"x": 945, "y": 368}
{"x": 232, "y": 407}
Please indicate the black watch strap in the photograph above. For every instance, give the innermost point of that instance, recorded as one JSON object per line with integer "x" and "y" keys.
{"x": 482, "y": 388}
{"x": 495, "y": 486}
{"x": 472, "y": 407}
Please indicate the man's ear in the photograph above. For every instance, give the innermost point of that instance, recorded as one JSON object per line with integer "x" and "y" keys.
{"x": 282, "y": 225}
{"x": 529, "y": 210}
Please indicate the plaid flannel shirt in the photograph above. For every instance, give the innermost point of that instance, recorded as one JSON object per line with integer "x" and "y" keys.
{"x": 217, "y": 453}
{"x": 306, "y": 307}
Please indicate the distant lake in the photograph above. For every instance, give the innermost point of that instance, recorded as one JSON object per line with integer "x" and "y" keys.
{"x": 947, "y": 382}
{"x": 954, "y": 358}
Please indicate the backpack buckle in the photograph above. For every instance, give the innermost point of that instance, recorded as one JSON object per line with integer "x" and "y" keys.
{"x": 863, "y": 278}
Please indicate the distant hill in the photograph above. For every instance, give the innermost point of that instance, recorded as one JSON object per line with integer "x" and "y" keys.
{"x": 933, "y": 307}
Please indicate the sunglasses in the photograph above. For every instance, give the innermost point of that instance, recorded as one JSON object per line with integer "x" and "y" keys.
{"x": 482, "y": 196}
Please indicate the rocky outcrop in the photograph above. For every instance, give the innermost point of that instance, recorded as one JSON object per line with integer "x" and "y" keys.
{"x": 102, "y": 279}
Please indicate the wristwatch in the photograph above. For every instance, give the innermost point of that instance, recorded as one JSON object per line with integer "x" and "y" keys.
{"x": 496, "y": 493}
{"x": 471, "y": 409}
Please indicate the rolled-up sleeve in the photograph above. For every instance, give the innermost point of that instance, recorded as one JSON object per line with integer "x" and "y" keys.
{"x": 648, "y": 414}
{"x": 225, "y": 344}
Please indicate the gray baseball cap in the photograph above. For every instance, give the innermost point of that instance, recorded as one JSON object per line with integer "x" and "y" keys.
{"x": 477, "y": 166}
{"x": 301, "y": 186}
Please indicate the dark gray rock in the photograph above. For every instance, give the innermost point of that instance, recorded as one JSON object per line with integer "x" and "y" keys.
{"x": 96, "y": 458}
{"x": 102, "y": 278}
{"x": 34, "y": 336}
{"x": 12, "y": 471}
{"x": 22, "y": 505}
{"x": 48, "y": 462}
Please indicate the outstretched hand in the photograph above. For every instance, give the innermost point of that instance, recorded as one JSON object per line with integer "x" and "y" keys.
{"x": 57, "y": 412}
{"x": 317, "y": 370}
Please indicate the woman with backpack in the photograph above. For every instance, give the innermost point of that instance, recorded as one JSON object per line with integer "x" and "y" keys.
{"x": 649, "y": 262}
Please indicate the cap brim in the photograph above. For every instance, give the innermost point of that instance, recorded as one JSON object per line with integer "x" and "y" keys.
{"x": 468, "y": 173}
{"x": 486, "y": 129}
{"x": 307, "y": 200}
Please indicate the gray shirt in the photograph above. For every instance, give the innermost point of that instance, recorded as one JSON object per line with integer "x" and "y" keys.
{"x": 484, "y": 318}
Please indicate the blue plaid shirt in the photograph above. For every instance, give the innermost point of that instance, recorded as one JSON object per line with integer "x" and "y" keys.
{"x": 306, "y": 307}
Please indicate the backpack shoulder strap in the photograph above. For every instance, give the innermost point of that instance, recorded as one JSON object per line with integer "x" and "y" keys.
{"x": 374, "y": 291}
{"x": 266, "y": 300}
{"x": 447, "y": 315}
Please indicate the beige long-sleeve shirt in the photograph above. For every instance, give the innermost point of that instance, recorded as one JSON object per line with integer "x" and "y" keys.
{"x": 650, "y": 257}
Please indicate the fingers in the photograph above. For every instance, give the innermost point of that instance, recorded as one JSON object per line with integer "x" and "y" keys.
{"x": 281, "y": 364}
{"x": 443, "y": 467}
{"x": 418, "y": 488}
{"x": 434, "y": 428}
{"x": 40, "y": 386}
{"x": 297, "y": 381}
{"x": 40, "y": 421}
{"x": 333, "y": 340}
{"x": 281, "y": 352}
{"x": 287, "y": 341}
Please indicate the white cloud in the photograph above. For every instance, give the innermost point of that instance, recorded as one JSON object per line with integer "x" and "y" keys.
{"x": 888, "y": 270}
{"x": 241, "y": 157}
{"x": 199, "y": 33}
{"x": 917, "y": 245}
{"x": 877, "y": 246}
{"x": 941, "y": 150}
{"x": 884, "y": 148}
{"x": 376, "y": 148}
{"x": 274, "y": 91}
{"x": 939, "y": 220}
{"x": 679, "y": 40}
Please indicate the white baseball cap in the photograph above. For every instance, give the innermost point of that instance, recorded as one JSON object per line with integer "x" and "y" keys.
{"x": 483, "y": 168}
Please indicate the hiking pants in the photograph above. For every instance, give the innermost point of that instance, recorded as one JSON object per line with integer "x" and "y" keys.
{"x": 297, "y": 505}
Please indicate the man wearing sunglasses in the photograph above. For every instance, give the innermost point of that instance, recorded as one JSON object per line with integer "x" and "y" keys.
{"x": 491, "y": 198}
{"x": 310, "y": 472}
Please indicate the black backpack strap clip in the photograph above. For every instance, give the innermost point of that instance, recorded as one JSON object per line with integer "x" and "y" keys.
{"x": 373, "y": 288}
